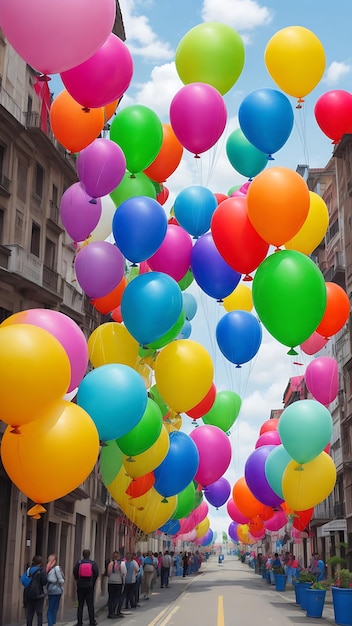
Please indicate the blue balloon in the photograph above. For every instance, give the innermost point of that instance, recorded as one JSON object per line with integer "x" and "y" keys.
{"x": 190, "y": 305}
{"x": 239, "y": 336}
{"x": 115, "y": 397}
{"x": 179, "y": 466}
{"x": 171, "y": 527}
{"x": 194, "y": 207}
{"x": 215, "y": 277}
{"x": 139, "y": 228}
{"x": 186, "y": 330}
{"x": 151, "y": 304}
{"x": 266, "y": 119}
{"x": 243, "y": 156}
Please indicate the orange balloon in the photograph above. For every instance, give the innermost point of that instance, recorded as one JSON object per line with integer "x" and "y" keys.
{"x": 278, "y": 203}
{"x": 336, "y": 312}
{"x": 73, "y": 126}
{"x": 112, "y": 300}
{"x": 110, "y": 109}
{"x": 255, "y": 525}
{"x": 245, "y": 500}
{"x": 267, "y": 512}
{"x": 167, "y": 159}
{"x": 270, "y": 424}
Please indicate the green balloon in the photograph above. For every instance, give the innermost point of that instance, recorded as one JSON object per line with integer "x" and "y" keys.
{"x": 145, "y": 434}
{"x": 110, "y": 461}
{"x": 185, "y": 502}
{"x": 154, "y": 393}
{"x": 224, "y": 411}
{"x": 139, "y": 133}
{"x": 132, "y": 186}
{"x": 234, "y": 188}
{"x": 289, "y": 296}
{"x": 186, "y": 281}
{"x": 243, "y": 156}
{"x": 170, "y": 335}
{"x": 211, "y": 53}
{"x": 198, "y": 495}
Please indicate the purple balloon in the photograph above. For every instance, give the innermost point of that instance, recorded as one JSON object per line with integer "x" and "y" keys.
{"x": 254, "y": 473}
{"x": 99, "y": 268}
{"x": 218, "y": 493}
{"x": 101, "y": 167}
{"x": 214, "y": 276}
{"x": 79, "y": 214}
{"x": 207, "y": 539}
{"x": 232, "y": 531}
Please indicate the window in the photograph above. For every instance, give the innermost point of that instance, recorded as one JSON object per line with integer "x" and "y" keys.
{"x": 22, "y": 173}
{"x": 35, "y": 239}
{"x": 50, "y": 253}
{"x": 39, "y": 180}
{"x": 2, "y": 214}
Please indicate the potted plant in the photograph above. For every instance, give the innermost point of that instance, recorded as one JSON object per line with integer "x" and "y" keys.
{"x": 304, "y": 581}
{"x": 342, "y": 597}
{"x": 280, "y": 578}
{"x": 315, "y": 598}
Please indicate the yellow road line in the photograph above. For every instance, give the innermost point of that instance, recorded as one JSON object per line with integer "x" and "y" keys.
{"x": 221, "y": 611}
{"x": 159, "y": 616}
{"x": 174, "y": 610}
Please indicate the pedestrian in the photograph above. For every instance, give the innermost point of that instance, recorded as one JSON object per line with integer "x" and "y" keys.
{"x": 34, "y": 592}
{"x": 55, "y": 580}
{"x": 165, "y": 569}
{"x": 115, "y": 586}
{"x": 321, "y": 566}
{"x": 184, "y": 564}
{"x": 148, "y": 574}
{"x": 130, "y": 570}
{"x": 314, "y": 565}
{"x": 86, "y": 572}
{"x": 295, "y": 568}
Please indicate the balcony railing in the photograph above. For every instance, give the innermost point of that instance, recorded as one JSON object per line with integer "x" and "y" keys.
{"x": 72, "y": 298}
{"x": 51, "y": 280}
{"x": 9, "y": 103}
{"x": 25, "y": 264}
{"x": 339, "y": 510}
{"x": 54, "y": 212}
{"x": 5, "y": 183}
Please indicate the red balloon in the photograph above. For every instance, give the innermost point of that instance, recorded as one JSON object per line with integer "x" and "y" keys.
{"x": 236, "y": 239}
{"x": 108, "y": 303}
{"x": 140, "y": 485}
{"x": 235, "y": 513}
{"x": 116, "y": 315}
{"x": 220, "y": 197}
{"x": 337, "y": 310}
{"x": 269, "y": 425}
{"x": 204, "y": 405}
{"x": 267, "y": 513}
{"x": 333, "y": 113}
{"x": 302, "y": 519}
{"x": 163, "y": 195}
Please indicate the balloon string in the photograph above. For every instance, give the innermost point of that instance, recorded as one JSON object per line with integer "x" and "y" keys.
{"x": 301, "y": 127}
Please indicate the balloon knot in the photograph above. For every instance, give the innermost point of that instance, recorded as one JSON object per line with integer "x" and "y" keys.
{"x": 196, "y": 156}
{"x": 42, "y": 78}
{"x": 133, "y": 176}
{"x": 35, "y": 511}
{"x": 292, "y": 352}
{"x": 220, "y": 301}
{"x": 93, "y": 201}
{"x": 299, "y": 103}
{"x": 300, "y": 468}
{"x": 15, "y": 431}
{"x": 164, "y": 501}
{"x": 130, "y": 460}
{"x": 270, "y": 157}
{"x": 238, "y": 366}
{"x": 134, "y": 264}
{"x": 85, "y": 109}
{"x": 277, "y": 249}
{"x": 247, "y": 278}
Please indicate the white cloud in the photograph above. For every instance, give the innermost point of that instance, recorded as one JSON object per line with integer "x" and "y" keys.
{"x": 159, "y": 90}
{"x": 141, "y": 39}
{"x": 336, "y": 71}
{"x": 242, "y": 15}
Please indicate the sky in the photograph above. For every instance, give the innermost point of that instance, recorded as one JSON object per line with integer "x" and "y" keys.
{"x": 154, "y": 29}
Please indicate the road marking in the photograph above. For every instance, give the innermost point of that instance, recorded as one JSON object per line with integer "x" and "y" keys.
{"x": 174, "y": 610}
{"x": 220, "y": 611}
{"x": 159, "y": 616}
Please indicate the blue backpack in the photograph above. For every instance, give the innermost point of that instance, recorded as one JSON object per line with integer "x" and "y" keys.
{"x": 26, "y": 578}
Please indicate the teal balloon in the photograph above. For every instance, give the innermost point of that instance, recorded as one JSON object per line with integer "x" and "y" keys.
{"x": 275, "y": 465}
{"x": 305, "y": 429}
{"x": 144, "y": 435}
{"x": 224, "y": 411}
{"x": 111, "y": 459}
{"x": 289, "y": 296}
{"x": 243, "y": 156}
{"x": 185, "y": 502}
{"x": 131, "y": 187}
{"x": 139, "y": 133}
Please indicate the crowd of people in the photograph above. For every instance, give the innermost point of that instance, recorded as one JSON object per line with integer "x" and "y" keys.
{"x": 290, "y": 565}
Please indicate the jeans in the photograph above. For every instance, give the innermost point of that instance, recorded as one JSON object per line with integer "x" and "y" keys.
{"x": 53, "y": 605}
{"x": 165, "y": 571}
{"x": 85, "y": 594}
{"x": 32, "y": 607}
{"x": 116, "y": 597}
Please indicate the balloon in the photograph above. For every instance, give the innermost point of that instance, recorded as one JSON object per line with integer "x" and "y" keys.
{"x": 266, "y": 119}
{"x": 307, "y": 488}
{"x": 232, "y": 531}
{"x": 104, "y": 226}
{"x": 110, "y": 461}
{"x": 34, "y": 373}
{"x": 218, "y": 493}
{"x": 302, "y": 519}
{"x": 173, "y": 257}
{"x": 185, "y": 502}
{"x": 204, "y": 405}
{"x": 154, "y": 393}
{"x": 336, "y": 312}
{"x": 59, "y": 433}
{"x": 151, "y": 305}
{"x": 79, "y": 215}
{"x": 150, "y": 459}
{"x": 112, "y": 343}
{"x": 207, "y": 539}
{"x": 295, "y": 60}
{"x": 235, "y": 237}
{"x": 73, "y": 127}
{"x": 314, "y": 343}
{"x": 245, "y": 500}
{"x": 30, "y": 31}
{"x": 202, "y": 528}
{"x": 194, "y": 207}
{"x": 131, "y": 186}
{"x": 138, "y": 131}
{"x": 199, "y": 514}
{"x": 243, "y": 156}
{"x": 322, "y": 379}
{"x": 139, "y": 227}
{"x": 179, "y": 467}
{"x": 170, "y": 335}
{"x": 99, "y": 268}
{"x": 278, "y": 204}
{"x": 104, "y": 77}
{"x": 198, "y": 117}
{"x": 115, "y": 397}
{"x": 305, "y": 429}
{"x": 275, "y": 465}
{"x": 172, "y": 527}
{"x": 270, "y": 424}
{"x": 243, "y": 533}
{"x": 65, "y": 330}
{"x": 141, "y": 485}
{"x": 211, "y": 53}
{"x": 289, "y": 296}
{"x": 183, "y": 373}
{"x": 314, "y": 228}
{"x": 101, "y": 167}
{"x": 277, "y": 521}
{"x": 190, "y": 305}
{"x": 224, "y": 410}
{"x": 168, "y": 158}
{"x": 255, "y": 476}
{"x": 333, "y": 111}
{"x": 145, "y": 433}
{"x": 235, "y": 513}
{"x": 106, "y": 304}
{"x": 163, "y": 195}
{"x": 215, "y": 277}
{"x": 270, "y": 438}
{"x": 214, "y": 449}
{"x": 239, "y": 336}
{"x": 186, "y": 281}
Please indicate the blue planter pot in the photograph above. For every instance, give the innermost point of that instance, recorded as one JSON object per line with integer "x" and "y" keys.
{"x": 342, "y": 602}
{"x": 303, "y": 596}
{"x": 315, "y": 599}
{"x": 300, "y": 588}
{"x": 280, "y": 582}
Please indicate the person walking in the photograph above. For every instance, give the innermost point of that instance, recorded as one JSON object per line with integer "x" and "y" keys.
{"x": 184, "y": 564}
{"x": 86, "y": 572}
{"x": 148, "y": 574}
{"x": 115, "y": 586}
{"x": 130, "y": 569}
{"x": 165, "y": 569}
{"x": 34, "y": 592}
{"x": 55, "y": 580}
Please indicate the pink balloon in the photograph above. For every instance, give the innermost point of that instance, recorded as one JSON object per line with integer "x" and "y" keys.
{"x": 238, "y": 194}
{"x": 174, "y": 255}
{"x": 269, "y": 438}
{"x": 214, "y": 449}
{"x": 314, "y": 343}
{"x": 186, "y": 525}
{"x": 53, "y": 37}
{"x": 322, "y": 379}
{"x": 79, "y": 213}
{"x": 235, "y": 514}
{"x": 244, "y": 188}
{"x": 191, "y": 536}
{"x": 101, "y": 167}
{"x": 200, "y": 513}
{"x": 99, "y": 268}
{"x": 198, "y": 116}
{"x": 104, "y": 77}
{"x": 277, "y": 521}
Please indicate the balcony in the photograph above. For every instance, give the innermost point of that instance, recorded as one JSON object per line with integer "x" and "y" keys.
{"x": 54, "y": 212}
{"x": 9, "y": 103}
{"x": 51, "y": 280}
{"x": 4, "y": 186}
{"x": 72, "y": 299}
{"x": 336, "y": 273}
{"x": 25, "y": 264}
{"x": 339, "y": 510}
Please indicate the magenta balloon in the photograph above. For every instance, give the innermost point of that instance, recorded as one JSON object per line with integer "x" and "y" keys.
{"x": 186, "y": 525}
{"x": 269, "y": 438}
{"x": 198, "y": 116}
{"x": 277, "y": 521}
{"x": 174, "y": 255}
{"x": 200, "y": 513}
{"x": 214, "y": 449}
{"x": 232, "y": 531}
{"x": 101, "y": 167}
{"x": 99, "y": 268}
{"x": 79, "y": 214}
{"x": 238, "y": 194}
{"x": 314, "y": 343}
{"x": 322, "y": 379}
{"x": 218, "y": 493}
{"x": 104, "y": 77}
{"x": 254, "y": 473}
{"x": 235, "y": 514}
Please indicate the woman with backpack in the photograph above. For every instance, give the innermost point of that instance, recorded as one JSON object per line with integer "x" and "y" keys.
{"x": 34, "y": 591}
{"x": 55, "y": 579}
{"x": 115, "y": 586}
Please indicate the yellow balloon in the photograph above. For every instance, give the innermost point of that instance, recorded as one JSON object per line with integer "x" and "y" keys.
{"x": 45, "y": 462}
{"x": 117, "y": 488}
{"x": 203, "y": 527}
{"x": 150, "y": 459}
{"x": 172, "y": 421}
{"x": 150, "y": 511}
{"x": 243, "y": 533}
{"x": 183, "y": 374}
{"x": 144, "y": 371}
{"x": 35, "y": 373}
{"x": 305, "y": 486}
{"x": 295, "y": 60}
{"x": 112, "y": 343}
{"x": 314, "y": 228}
{"x": 239, "y": 300}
